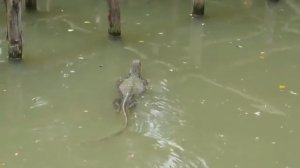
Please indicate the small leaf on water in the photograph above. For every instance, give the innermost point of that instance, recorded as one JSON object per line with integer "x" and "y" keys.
{"x": 257, "y": 113}
{"x": 239, "y": 46}
{"x": 282, "y": 87}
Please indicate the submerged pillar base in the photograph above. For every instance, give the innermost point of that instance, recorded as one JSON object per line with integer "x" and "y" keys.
{"x": 198, "y": 7}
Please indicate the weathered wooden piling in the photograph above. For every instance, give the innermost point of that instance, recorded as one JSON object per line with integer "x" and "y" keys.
{"x": 273, "y": 0}
{"x": 114, "y": 18}
{"x": 198, "y": 7}
{"x": 14, "y": 29}
{"x": 31, "y": 5}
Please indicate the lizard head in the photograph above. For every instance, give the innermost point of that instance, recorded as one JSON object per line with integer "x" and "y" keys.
{"x": 136, "y": 68}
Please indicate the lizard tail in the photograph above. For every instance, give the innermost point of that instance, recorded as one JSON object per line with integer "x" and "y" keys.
{"x": 126, "y": 120}
{"x": 124, "y": 112}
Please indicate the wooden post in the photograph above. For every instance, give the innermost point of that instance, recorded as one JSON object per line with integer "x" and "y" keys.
{"x": 198, "y": 7}
{"x": 114, "y": 18}
{"x": 31, "y": 5}
{"x": 5, "y": 4}
{"x": 14, "y": 29}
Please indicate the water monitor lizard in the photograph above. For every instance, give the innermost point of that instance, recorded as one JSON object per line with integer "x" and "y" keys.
{"x": 130, "y": 88}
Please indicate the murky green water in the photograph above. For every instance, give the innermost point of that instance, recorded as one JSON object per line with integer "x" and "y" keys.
{"x": 224, "y": 90}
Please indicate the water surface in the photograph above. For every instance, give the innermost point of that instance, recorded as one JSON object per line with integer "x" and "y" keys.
{"x": 223, "y": 90}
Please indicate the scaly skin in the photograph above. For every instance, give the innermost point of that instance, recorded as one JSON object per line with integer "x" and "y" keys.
{"x": 134, "y": 85}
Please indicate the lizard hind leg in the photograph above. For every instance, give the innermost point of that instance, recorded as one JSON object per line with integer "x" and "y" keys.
{"x": 131, "y": 105}
{"x": 117, "y": 103}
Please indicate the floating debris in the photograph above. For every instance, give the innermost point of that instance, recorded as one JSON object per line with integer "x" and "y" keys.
{"x": 80, "y": 127}
{"x": 86, "y": 22}
{"x": 257, "y": 113}
{"x": 259, "y": 104}
{"x": 160, "y": 33}
{"x": 141, "y": 41}
{"x": 16, "y": 154}
{"x": 239, "y": 46}
{"x": 72, "y": 71}
{"x": 38, "y": 102}
{"x": 73, "y": 26}
{"x": 281, "y": 87}
{"x": 293, "y": 93}
{"x": 268, "y": 108}
{"x": 138, "y": 23}
{"x": 81, "y": 58}
{"x": 65, "y": 75}
{"x": 85, "y": 111}
{"x": 221, "y": 135}
{"x": 147, "y": 14}
{"x": 37, "y": 141}
{"x": 166, "y": 64}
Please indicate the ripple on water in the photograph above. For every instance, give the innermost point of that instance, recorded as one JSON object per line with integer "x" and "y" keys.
{"x": 160, "y": 124}
{"x": 38, "y": 102}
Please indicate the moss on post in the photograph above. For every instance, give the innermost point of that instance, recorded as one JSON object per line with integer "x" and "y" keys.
{"x": 198, "y": 7}
{"x": 14, "y": 29}
{"x": 114, "y": 18}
